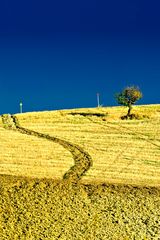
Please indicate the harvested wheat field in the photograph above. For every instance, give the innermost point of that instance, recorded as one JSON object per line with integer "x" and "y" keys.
{"x": 80, "y": 174}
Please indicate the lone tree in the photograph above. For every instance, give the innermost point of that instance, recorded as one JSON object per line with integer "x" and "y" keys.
{"x": 128, "y": 97}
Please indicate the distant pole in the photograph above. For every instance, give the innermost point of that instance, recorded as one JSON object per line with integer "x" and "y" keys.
{"x": 21, "y": 105}
{"x": 98, "y": 103}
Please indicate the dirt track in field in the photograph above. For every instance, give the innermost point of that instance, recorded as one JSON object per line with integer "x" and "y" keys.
{"x": 82, "y": 160}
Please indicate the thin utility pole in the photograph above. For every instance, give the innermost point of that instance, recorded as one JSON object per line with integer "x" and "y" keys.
{"x": 21, "y": 106}
{"x": 98, "y": 102}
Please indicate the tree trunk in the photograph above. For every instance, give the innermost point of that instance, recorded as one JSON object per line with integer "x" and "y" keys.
{"x": 129, "y": 110}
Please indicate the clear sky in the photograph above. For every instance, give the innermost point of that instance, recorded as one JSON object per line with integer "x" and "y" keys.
{"x": 59, "y": 54}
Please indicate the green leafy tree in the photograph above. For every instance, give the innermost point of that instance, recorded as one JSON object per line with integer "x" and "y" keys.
{"x": 128, "y": 97}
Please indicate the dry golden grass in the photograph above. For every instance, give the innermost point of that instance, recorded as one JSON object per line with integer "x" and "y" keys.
{"x": 123, "y": 151}
{"x": 45, "y": 207}
{"x": 24, "y": 155}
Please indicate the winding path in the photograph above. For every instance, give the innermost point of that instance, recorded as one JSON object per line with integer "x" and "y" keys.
{"x": 82, "y": 160}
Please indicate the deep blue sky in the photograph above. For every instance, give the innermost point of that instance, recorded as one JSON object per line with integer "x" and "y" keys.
{"x": 59, "y": 54}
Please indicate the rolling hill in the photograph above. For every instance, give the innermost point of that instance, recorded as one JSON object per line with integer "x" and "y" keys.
{"x": 122, "y": 151}
{"x": 80, "y": 174}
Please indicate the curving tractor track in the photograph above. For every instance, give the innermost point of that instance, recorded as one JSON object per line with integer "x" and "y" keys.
{"x": 82, "y": 160}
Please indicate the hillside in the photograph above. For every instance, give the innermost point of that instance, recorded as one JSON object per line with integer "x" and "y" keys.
{"x": 80, "y": 174}
{"x": 122, "y": 151}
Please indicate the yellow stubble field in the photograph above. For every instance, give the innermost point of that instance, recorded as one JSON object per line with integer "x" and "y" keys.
{"x": 122, "y": 151}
